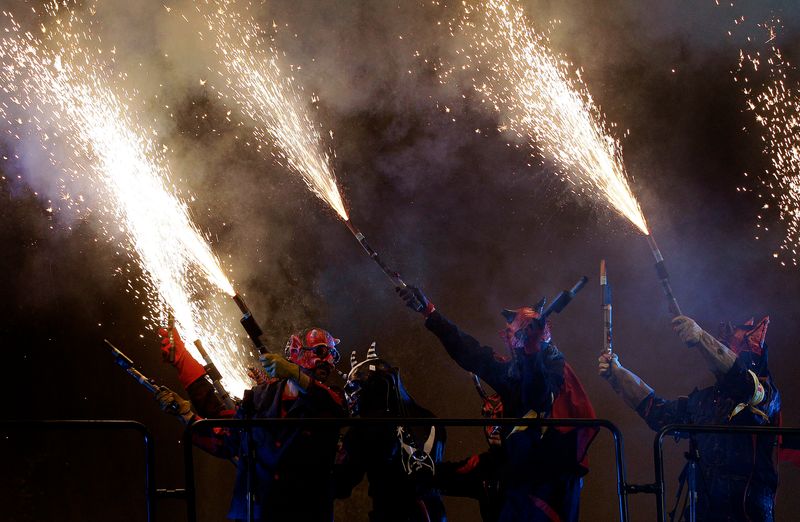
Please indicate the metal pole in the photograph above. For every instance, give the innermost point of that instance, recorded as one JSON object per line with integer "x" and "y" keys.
{"x": 605, "y": 288}
{"x": 663, "y": 276}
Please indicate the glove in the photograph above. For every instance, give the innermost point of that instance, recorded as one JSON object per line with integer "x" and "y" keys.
{"x": 278, "y": 367}
{"x": 189, "y": 370}
{"x": 688, "y": 330}
{"x": 416, "y": 300}
{"x": 258, "y": 375}
{"x": 608, "y": 363}
{"x": 172, "y": 403}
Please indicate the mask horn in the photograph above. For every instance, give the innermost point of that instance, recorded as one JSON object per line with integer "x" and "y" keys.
{"x": 352, "y": 359}
{"x": 509, "y": 315}
{"x": 372, "y": 353}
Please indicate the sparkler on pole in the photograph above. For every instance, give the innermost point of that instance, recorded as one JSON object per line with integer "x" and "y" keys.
{"x": 127, "y": 364}
{"x": 663, "y": 276}
{"x": 215, "y": 376}
{"x": 562, "y": 300}
{"x": 393, "y": 276}
{"x": 58, "y": 93}
{"x": 250, "y": 324}
{"x": 545, "y": 104}
{"x": 605, "y": 288}
{"x": 269, "y": 99}
{"x": 171, "y": 333}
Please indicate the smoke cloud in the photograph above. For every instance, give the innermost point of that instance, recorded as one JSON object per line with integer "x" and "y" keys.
{"x": 468, "y": 216}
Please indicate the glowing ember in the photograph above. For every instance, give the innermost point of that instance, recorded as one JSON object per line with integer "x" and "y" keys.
{"x": 541, "y": 103}
{"x": 59, "y": 94}
{"x": 266, "y": 95}
{"x": 775, "y": 104}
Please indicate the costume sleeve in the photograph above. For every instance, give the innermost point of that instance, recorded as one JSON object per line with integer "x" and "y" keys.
{"x": 217, "y": 441}
{"x": 741, "y": 384}
{"x": 467, "y": 477}
{"x": 350, "y": 465}
{"x": 658, "y": 412}
{"x": 467, "y": 352}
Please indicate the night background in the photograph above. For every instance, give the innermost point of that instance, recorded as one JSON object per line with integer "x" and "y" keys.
{"x": 471, "y": 219}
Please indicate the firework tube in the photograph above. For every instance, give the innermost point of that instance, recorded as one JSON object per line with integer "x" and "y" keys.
{"x": 478, "y": 386}
{"x": 250, "y": 325}
{"x": 663, "y": 276}
{"x": 397, "y": 281}
{"x": 215, "y": 376}
{"x": 126, "y": 364}
{"x": 171, "y": 330}
{"x": 605, "y": 288}
{"x": 562, "y": 300}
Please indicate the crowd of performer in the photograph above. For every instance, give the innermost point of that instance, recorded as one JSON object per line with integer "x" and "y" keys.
{"x": 525, "y": 474}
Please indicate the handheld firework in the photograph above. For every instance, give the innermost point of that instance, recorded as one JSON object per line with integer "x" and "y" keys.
{"x": 663, "y": 276}
{"x": 478, "y": 386}
{"x": 250, "y": 324}
{"x": 171, "y": 333}
{"x": 215, "y": 376}
{"x": 127, "y": 364}
{"x": 562, "y": 300}
{"x": 605, "y": 288}
{"x": 393, "y": 276}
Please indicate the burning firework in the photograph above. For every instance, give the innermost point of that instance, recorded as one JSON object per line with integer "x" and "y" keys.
{"x": 258, "y": 84}
{"x": 543, "y": 104}
{"x": 59, "y": 93}
{"x": 266, "y": 95}
{"x": 776, "y": 107}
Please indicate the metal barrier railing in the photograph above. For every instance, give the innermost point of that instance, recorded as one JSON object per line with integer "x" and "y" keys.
{"x": 97, "y": 425}
{"x": 623, "y": 489}
{"x": 658, "y": 450}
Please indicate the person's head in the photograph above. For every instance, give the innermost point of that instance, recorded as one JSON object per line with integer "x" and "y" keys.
{"x": 746, "y": 341}
{"x": 314, "y": 350}
{"x": 374, "y": 387}
{"x": 492, "y": 408}
{"x": 524, "y": 333}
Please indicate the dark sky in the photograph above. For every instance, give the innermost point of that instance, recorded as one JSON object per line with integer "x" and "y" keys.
{"x": 459, "y": 213}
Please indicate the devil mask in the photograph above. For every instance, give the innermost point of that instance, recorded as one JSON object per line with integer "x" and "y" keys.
{"x": 524, "y": 333}
{"x": 314, "y": 350}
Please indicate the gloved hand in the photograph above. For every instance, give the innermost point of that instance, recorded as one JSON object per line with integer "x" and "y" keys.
{"x": 416, "y": 300}
{"x": 172, "y": 403}
{"x": 279, "y": 367}
{"x": 688, "y": 330}
{"x": 189, "y": 370}
{"x": 258, "y": 375}
{"x": 608, "y": 364}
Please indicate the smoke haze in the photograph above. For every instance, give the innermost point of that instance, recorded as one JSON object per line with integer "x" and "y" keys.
{"x": 472, "y": 219}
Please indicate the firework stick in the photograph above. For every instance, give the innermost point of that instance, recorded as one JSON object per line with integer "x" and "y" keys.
{"x": 605, "y": 287}
{"x": 215, "y": 376}
{"x": 663, "y": 276}
{"x": 250, "y": 324}
{"x": 393, "y": 276}
{"x": 171, "y": 333}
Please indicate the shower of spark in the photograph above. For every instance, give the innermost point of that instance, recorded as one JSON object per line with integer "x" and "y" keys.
{"x": 265, "y": 93}
{"x": 775, "y": 104}
{"x": 542, "y": 104}
{"x": 61, "y": 96}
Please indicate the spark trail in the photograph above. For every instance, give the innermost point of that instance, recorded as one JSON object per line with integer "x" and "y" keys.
{"x": 772, "y": 93}
{"x": 542, "y": 103}
{"x": 62, "y": 96}
{"x": 265, "y": 93}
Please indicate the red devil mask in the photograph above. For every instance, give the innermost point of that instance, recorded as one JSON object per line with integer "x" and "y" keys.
{"x": 523, "y": 331}
{"x": 312, "y": 348}
{"x": 748, "y": 337}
